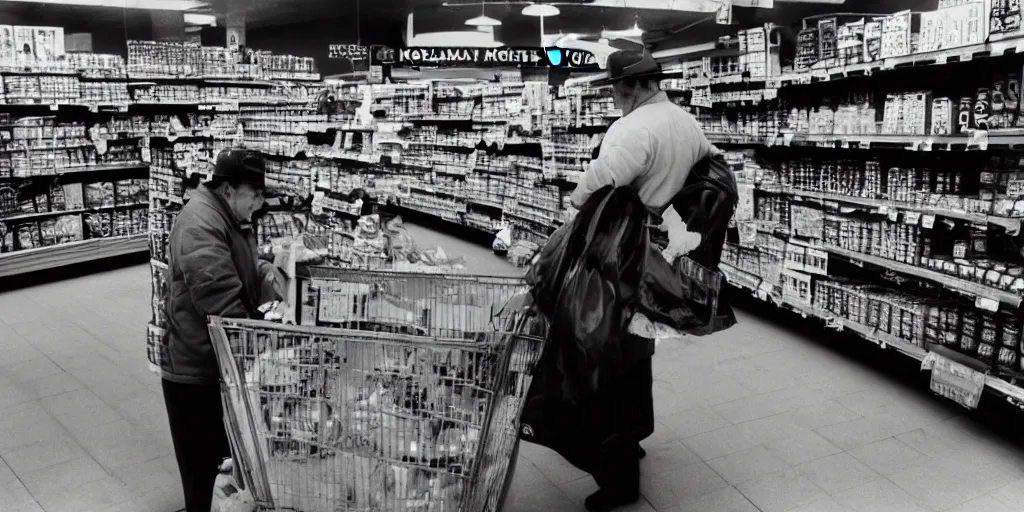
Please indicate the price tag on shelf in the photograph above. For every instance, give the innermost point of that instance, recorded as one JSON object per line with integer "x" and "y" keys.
{"x": 927, "y": 221}
{"x": 986, "y": 304}
{"x": 941, "y": 58}
{"x": 912, "y": 218}
{"x": 926, "y": 145}
{"x": 894, "y": 215}
{"x": 954, "y": 381}
{"x": 54, "y": 107}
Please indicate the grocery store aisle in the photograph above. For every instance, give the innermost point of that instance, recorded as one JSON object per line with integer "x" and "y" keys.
{"x": 756, "y": 418}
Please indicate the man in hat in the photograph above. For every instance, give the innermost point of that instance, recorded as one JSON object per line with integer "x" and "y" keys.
{"x": 652, "y": 149}
{"x": 213, "y": 269}
{"x": 653, "y": 146}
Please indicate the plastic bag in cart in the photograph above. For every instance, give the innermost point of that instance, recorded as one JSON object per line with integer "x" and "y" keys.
{"x": 227, "y": 496}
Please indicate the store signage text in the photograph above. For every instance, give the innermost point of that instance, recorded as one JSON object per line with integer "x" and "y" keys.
{"x": 554, "y": 57}
{"x": 347, "y": 51}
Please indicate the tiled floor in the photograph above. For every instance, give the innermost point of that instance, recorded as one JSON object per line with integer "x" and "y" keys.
{"x": 755, "y": 419}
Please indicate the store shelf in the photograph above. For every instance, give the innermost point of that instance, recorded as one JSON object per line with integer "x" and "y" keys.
{"x": 88, "y": 169}
{"x": 1012, "y": 225}
{"x": 749, "y": 282}
{"x": 21, "y": 217}
{"x": 999, "y": 48}
{"x": 46, "y": 258}
{"x": 968, "y": 288}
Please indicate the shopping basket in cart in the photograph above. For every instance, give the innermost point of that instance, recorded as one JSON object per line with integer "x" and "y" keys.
{"x": 328, "y": 419}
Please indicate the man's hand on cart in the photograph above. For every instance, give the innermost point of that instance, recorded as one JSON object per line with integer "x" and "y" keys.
{"x": 272, "y": 311}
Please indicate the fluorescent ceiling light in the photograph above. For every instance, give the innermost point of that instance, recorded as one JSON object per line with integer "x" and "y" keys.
{"x": 468, "y": 39}
{"x": 157, "y": 5}
{"x": 633, "y": 33}
{"x": 200, "y": 19}
{"x": 541, "y": 10}
{"x": 483, "y": 21}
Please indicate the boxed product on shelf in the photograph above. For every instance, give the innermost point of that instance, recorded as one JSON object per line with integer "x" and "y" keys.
{"x": 807, "y": 48}
{"x": 896, "y": 38}
{"x": 1004, "y": 18}
{"x": 828, "y": 44}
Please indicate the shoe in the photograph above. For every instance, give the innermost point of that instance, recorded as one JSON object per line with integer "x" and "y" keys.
{"x": 606, "y": 501}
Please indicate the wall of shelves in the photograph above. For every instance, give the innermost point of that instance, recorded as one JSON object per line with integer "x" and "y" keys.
{"x": 495, "y": 155}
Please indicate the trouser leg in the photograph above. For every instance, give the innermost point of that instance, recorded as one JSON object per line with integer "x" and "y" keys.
{"x": 196, "y": 418}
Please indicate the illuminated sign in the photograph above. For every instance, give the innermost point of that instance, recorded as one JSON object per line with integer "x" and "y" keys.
{"x": 495, "y": 57}
{"x": 347, "y": 51}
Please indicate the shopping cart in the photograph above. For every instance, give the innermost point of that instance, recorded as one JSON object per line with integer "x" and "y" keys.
{"x": 324, "y": 419}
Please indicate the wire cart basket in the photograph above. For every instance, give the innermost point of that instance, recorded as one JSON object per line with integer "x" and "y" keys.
{"x": 422, "y": 418}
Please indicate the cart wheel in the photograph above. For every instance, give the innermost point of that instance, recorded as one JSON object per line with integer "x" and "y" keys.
{"x": 509, "y": 476}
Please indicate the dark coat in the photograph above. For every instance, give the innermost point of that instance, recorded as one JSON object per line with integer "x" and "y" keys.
{"x": 594, "y": 382}
{"x": 213, "y": 270}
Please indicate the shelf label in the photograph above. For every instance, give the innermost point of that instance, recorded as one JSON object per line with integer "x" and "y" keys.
{"x": 912, "y": 218}
{"x": 986, "y": 304}
{"x": 954, "y": 381}
{"x": 927, "y": 221}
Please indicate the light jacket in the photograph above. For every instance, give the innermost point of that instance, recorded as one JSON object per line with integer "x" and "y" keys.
{"x": 651, "y": 149}
{"x": 213, "y": 269}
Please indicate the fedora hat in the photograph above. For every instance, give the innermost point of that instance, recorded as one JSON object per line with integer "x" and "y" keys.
{"x": 241, "y": 164}
{"x": 625, "y": 64}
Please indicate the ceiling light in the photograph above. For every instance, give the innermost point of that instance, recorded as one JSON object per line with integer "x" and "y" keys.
{"x": 157, "y": 5}
{"x": 200, "y": 19}
{"x": 483, "y": 21}
{"x": 541, "y": 10}
{"x": 633, "y": 33}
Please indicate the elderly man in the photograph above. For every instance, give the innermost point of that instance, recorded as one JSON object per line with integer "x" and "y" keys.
{"x": 213, "y": 269}
{"x": 652, "y": 149}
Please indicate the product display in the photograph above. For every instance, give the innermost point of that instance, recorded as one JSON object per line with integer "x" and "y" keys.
{"x": 879, "y": 158}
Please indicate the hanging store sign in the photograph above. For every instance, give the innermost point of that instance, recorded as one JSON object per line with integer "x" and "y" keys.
{"x": 347, "y": 52}
{"x": 496, "y": 57}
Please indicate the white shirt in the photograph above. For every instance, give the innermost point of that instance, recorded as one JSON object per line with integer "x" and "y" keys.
{"x": 651, "y": 149}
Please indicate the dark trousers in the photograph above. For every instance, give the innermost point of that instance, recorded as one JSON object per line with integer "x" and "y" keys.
{"x": 627, "y": 412}
{"x": 196, "y": 416}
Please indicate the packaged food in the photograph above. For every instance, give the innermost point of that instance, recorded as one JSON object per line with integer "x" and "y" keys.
{"x": 68, "y": 228}
{"x": 124, "y": 193}
{"x": 997, "y": 119}
{"x": 42, "y": 203}
{"x": 141, "y": 190}
{"x": 99, "y": 195}
{"x": 983, "y": 109}
{"x": 965, "y": 114}
{"x": 1012, "y": 111}
{"x": 48, "y": 232}
{"x": 57, "y": 203}
{"x": 28, "y": 237}
{"x": 97, "y": 225}
{"x": 73, "y": 198}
